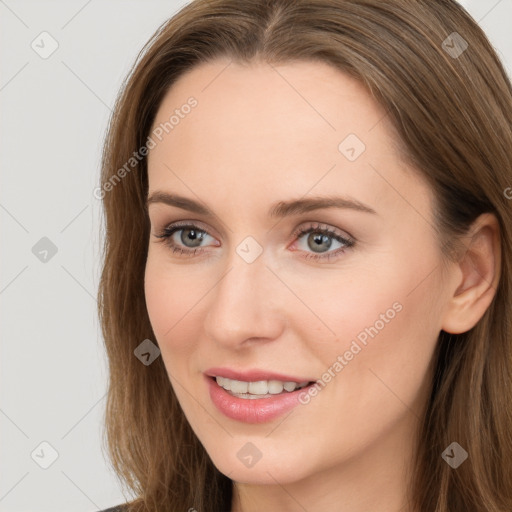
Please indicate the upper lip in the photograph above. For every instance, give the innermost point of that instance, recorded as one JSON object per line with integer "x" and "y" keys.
{"x": 254, "y": 375}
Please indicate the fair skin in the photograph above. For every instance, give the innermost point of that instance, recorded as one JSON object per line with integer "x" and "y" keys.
{"x": 260, "y": 135}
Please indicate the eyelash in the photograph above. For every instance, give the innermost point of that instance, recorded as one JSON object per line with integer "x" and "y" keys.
{"x": 166, "y": 234}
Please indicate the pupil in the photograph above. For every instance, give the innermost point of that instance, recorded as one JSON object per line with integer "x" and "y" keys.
{"x": 319, "y": 240}
{"x": 192, "y": 235}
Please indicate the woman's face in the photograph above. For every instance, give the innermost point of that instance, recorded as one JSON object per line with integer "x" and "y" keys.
{"x": 355, "y": 302}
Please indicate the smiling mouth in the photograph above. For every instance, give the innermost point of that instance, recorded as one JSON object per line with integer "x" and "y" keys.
{"x": 259, "y": 389}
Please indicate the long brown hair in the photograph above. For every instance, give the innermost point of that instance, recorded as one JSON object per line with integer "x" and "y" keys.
{"x": 453, "y": 113}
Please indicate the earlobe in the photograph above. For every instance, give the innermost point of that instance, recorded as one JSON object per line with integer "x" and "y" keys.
{"x": 478, "y": 272}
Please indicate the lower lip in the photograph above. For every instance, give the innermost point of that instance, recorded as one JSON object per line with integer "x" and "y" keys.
{"x": 252, "y": 410}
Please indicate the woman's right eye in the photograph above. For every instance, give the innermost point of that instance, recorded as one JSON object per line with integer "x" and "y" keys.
{"x": 190, "y": 234}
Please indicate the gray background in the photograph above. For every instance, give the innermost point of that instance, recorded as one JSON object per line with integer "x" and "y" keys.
{"x": 54, "y": 112}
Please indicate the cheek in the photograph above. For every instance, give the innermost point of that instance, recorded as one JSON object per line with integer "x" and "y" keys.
{"x": 381, "y": 359}
{"x": 170, "y": 299}
{"x": 386, "y": 329}
{"x": 160, "y": 303}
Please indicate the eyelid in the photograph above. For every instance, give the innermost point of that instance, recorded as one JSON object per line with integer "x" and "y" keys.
{"x": 298, "y": 231}
{"x": 175, "y": 226}
{"x": 322, "y": 226}
{"x": 187, "y": 223}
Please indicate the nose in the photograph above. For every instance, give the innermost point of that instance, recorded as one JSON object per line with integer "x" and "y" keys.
{"x": 246, "y": 305}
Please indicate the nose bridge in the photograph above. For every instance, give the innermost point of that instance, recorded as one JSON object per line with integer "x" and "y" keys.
{"x": 243, "y": 303}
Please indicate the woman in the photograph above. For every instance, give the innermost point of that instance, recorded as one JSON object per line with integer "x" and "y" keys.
{"x": 306, "y": 290}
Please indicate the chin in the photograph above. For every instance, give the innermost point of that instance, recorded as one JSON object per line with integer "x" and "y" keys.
{"x": 276, "y": 467}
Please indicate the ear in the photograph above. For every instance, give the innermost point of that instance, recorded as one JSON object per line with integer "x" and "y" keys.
{"x": 475, "y": 276}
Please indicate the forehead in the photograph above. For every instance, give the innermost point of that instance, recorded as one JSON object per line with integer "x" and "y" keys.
{"x": 286, "y": 129}
{"x": 296, "y": 101}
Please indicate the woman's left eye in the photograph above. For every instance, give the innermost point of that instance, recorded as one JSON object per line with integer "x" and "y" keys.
{"x": 191, "y": 237}
{"x": 322, "y": 237}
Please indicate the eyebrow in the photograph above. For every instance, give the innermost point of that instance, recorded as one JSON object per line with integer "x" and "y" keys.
{"x": 280, "y": 209}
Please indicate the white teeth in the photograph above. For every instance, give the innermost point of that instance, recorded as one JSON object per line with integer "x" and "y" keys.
{"x": 260, "y": 387}
{"x": 220, "y": 381}
{"x": 275, "y": 387}
{"x": 289, "y": 386}
{"x": 238, "y": 386}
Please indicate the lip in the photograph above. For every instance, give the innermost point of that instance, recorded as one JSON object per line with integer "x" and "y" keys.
{"x": 252, "y": 410}
{"x": 254, "y": 375}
